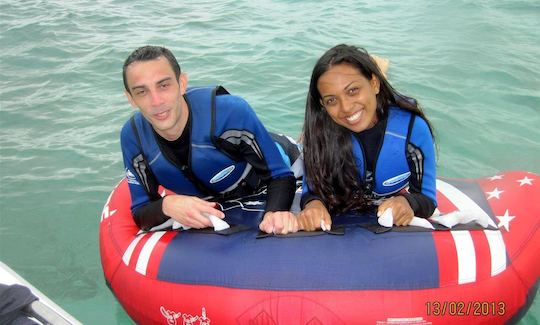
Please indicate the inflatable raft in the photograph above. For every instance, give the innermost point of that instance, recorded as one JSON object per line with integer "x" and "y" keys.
{"x": 357, "y": 273}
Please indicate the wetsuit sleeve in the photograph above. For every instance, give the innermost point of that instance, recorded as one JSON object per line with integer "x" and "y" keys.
{"x": 421, "y": 159}
{"x": 150, "y": 215}
{"x": 307, "y": 194}
{"x": 280, "y": 193}
{"x": 146, "y": 213}
{"x": 254, "y": 144}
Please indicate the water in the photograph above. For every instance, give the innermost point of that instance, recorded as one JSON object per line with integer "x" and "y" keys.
{"x": 473, "y": 65}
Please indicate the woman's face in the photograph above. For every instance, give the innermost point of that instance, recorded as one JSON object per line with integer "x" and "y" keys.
{"x": 348, "y": 97}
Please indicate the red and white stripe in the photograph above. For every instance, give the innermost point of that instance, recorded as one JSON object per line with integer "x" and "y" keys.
{"x": 476, "y": 254}
{"x": 466, "y": 256}
{"x": 144, "y": 253}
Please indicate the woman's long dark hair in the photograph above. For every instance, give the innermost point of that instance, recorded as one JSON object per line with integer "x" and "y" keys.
{"x": 329, "y": 162}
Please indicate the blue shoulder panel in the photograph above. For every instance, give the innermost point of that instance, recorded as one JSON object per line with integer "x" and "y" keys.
{"x": 392, "y": 169}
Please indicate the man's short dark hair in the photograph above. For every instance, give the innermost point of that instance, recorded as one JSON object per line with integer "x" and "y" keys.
{"x": 146, "y": 53}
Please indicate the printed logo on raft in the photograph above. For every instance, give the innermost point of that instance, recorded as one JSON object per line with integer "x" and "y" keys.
{"x": 187, "y": 319}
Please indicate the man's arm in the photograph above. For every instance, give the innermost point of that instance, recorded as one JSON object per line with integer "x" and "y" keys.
{"x": 258, "y": 149}
{"x": 131, "y": 151}
{"x": 150, "y": 215}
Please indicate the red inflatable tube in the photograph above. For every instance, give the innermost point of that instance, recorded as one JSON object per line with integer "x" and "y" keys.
{"x": 468, "y": 275}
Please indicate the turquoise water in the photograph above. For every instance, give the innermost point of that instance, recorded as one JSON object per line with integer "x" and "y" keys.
{"x": 473, "y": 65}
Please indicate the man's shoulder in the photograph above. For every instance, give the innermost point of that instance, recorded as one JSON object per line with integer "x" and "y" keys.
{"x": 228, "y": 101}
{"x": 127, "y": 129}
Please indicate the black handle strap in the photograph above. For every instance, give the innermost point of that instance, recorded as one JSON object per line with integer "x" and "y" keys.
{"x": 233, "y": 229}
{"x": 336, "y": 230}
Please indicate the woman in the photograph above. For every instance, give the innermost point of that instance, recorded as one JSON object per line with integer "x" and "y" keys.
{"x": 363, "y": 142}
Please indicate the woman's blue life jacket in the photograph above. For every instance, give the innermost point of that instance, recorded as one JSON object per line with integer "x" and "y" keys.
{"x": 392, "y": 171}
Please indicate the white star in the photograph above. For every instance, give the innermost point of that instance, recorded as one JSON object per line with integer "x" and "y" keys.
{"x": 492, "y": 178}
{"x": 495, "y": 193}
{"x": 505, "y": 220}
{"x": 525, "y": 180}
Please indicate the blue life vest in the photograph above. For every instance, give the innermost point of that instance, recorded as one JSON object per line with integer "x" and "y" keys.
{"x": 391, "y": 171}
{"x": 218, "y": 170}
{"x": 211, "y": 171}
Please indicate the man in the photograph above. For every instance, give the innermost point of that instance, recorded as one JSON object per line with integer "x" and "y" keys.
{"x": 199, "y": 143}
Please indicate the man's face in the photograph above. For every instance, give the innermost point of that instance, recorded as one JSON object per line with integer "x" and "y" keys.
{"x": 154, "y": 89}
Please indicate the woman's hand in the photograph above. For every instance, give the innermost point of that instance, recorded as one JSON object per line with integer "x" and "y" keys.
{"x": 314, "y": 216}
{"x": 401, "y": 210}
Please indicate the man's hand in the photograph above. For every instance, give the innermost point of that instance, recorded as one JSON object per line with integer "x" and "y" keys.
{"x": 279, "y": 222}
{"x": 401, "y": 210}
{"x": 190, "y": 210}
{"x": 314, "y": 216}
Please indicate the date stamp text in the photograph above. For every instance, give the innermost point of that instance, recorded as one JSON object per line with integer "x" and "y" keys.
{"x": 465, "y": 308}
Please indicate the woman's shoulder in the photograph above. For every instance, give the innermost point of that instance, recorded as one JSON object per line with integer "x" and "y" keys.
{"x": 420, "y": 130}
{"x": 417, "y": 118}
